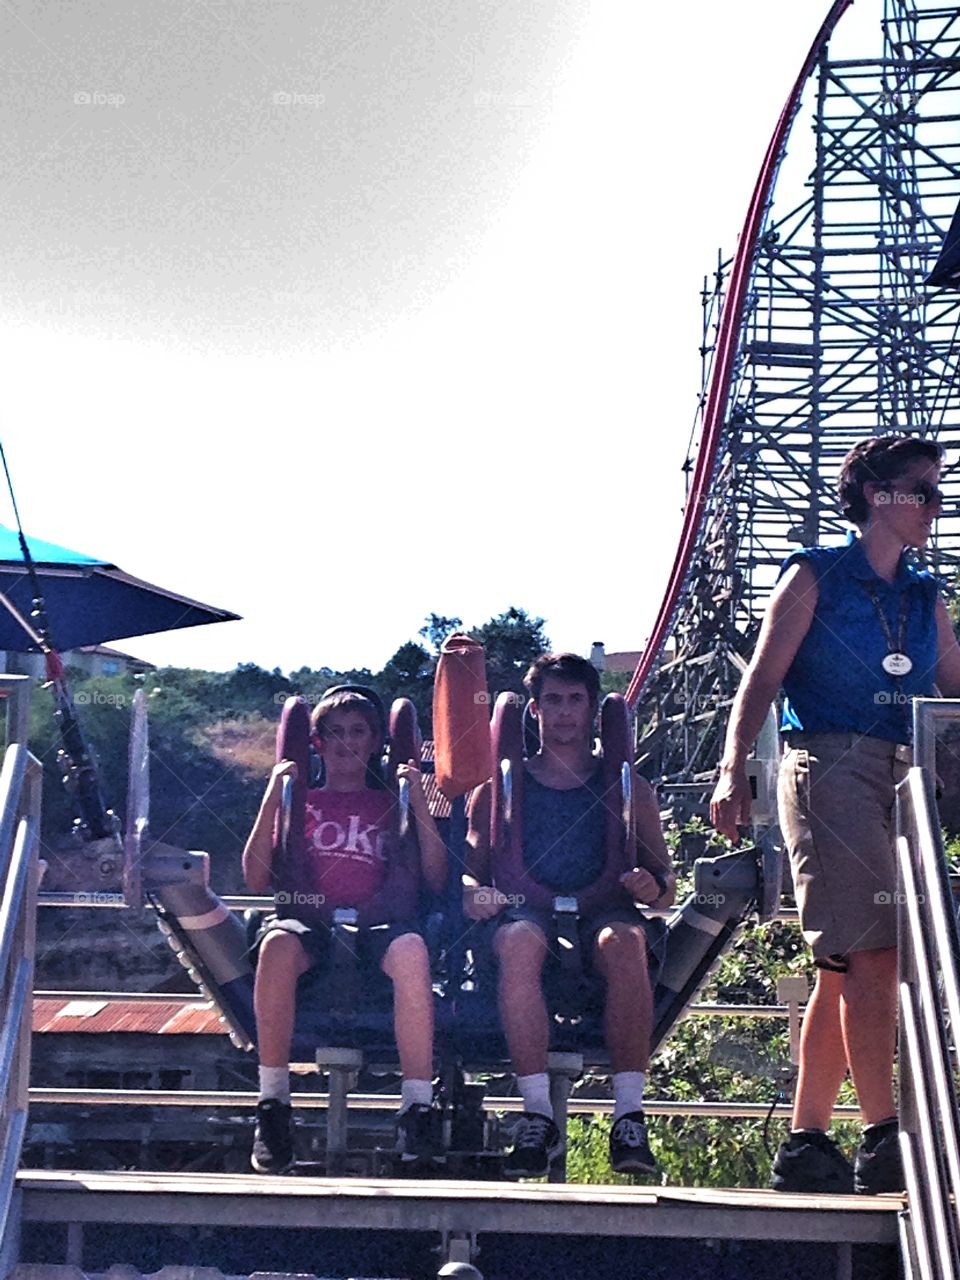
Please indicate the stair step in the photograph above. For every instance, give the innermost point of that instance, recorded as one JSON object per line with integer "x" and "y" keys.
{"x": 123, "y": 1271}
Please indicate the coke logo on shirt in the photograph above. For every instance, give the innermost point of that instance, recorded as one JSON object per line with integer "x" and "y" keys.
{"x": 365, "y": 839}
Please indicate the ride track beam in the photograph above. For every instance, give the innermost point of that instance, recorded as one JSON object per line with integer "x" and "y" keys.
{"x": 825, "y": 324}
{"x": 247, "y": 1101}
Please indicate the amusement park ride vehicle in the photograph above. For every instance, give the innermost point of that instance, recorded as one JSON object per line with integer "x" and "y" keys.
{"x": 339, "y": 1024}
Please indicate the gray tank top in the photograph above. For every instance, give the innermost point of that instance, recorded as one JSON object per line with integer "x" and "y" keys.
{"x": 564, "y": 833}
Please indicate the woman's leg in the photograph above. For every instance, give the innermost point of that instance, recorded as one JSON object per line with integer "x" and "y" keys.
{"x": 869, "y": 1014}
{"x": 823, "y": 1055}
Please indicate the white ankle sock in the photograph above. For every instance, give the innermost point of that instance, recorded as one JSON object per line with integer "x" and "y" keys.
{"x": 628, "y": 1092}
{"x": 535, "y": 1092}
{"x": 415, "y": 1093}
{"x": 275, "y": 1083}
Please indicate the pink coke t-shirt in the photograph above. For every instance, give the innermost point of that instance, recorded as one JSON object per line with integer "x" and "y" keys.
{"x": 348, "y": 837}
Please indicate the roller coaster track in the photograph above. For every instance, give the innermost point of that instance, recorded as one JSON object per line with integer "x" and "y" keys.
{"x": 725, "y": 359}
{"x": 804, "y": 362}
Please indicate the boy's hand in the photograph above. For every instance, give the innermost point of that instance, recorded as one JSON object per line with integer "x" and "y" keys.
{"x": 643, "y": 887}
{"x": 284, "y": 769}
{"x": 411, "y": 772}
{"x": 481, "y": 902}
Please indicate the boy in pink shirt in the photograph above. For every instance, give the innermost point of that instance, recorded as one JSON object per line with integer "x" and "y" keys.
{"x": 349, "y": 858}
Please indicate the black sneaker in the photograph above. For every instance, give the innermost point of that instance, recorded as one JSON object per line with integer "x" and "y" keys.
{"x": 417, "y": 1134}
{"x": 536, "y": 1141}
{"x": 878, "y": 1167}
{"x": 273, "y": 1137}
{"x": 629, "y": 1149}
{"x": 810, "y": 1161}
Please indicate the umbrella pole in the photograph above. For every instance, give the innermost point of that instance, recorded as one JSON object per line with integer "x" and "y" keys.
{"x": 96, "y": 821}
{"x": 12, "y": 609}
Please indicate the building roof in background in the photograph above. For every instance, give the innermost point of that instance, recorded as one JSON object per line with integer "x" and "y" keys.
{"x": 97, "y": 1015}
{"x": 104, "y": 651}
{"x": 437, "y": 802}
{"x": 627, "y": 660}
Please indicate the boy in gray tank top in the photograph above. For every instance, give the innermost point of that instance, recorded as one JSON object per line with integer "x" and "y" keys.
{"x": 564, "y": 821}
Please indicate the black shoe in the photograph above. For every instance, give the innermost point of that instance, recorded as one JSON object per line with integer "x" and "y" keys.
{"x": 878, "y": 1167}
{"x": 417, "y": 1134}
{"x": 629, "y": 1149}
{"x": 273, "y": 1137}
{"x": 536, "y": 1141}
{"x": 810, "y": 1161}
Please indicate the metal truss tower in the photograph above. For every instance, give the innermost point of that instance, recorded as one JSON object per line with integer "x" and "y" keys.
{"x": 820, "y": 332}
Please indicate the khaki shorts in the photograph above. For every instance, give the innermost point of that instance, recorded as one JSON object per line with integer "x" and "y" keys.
{"x": 836, "y": 797}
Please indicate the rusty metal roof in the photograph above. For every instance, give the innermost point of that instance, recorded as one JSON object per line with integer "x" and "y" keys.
{"x": 437, "y": 802}
{"x": 99, "y": 1016}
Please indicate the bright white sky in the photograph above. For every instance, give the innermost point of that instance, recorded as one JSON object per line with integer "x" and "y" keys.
{"x": 422, "y": 338}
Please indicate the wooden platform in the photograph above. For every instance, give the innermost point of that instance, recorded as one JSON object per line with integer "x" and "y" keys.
{"x": 245, "y": 1200}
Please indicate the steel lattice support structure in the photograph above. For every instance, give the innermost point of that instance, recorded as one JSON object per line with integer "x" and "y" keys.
{"x": 826, "y": 334}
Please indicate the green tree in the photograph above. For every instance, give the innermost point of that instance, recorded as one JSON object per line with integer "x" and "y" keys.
{"x": 409, "y": 674}
{"x": 511, "y": 642}
{"x": 614, "y": 682}
{"x": 437, "y": 627}
{"x": 250, "y": 690}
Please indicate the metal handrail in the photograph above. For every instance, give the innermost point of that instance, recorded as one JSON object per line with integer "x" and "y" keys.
{"x": 15, "y": 889}
{"x": 929, "y": 989}
{"x": 20, "y": 788}
{"x": 12, "y": 775}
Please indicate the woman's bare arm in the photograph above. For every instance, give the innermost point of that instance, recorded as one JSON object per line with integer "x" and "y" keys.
{"x": 787, "y": 621}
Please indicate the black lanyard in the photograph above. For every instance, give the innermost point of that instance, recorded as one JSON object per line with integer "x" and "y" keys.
{"x": 896, "y": 663}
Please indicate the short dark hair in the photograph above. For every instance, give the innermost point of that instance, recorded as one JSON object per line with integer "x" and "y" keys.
{"x": 878, "y": 460}
{"x": 569, "y": 667}
{"x": 346, "y": 699}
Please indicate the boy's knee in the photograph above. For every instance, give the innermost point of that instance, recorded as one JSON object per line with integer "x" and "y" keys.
{"x": 621, "y": 951}
{"x": 521, "y": 943}
{"x": 406, "y": 955}
{"x": 280, "y": 950}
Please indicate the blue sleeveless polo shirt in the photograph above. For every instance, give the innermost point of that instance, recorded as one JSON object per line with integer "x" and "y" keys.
{"x": 836, "y": 683}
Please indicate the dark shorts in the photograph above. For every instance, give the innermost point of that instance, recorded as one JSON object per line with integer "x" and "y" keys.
{"x": 317, "y": 939}
{"x": 589, "y": 928}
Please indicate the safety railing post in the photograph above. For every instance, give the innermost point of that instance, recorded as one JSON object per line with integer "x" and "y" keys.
{"x": 20, "y": 798}
{"x": 928, "y": 954}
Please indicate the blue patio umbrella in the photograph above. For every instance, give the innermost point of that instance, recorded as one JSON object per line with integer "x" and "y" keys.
{"x": 88, "y": 601}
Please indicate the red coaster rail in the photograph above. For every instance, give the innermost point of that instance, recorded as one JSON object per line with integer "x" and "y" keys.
{"x": 728, "y": 337}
